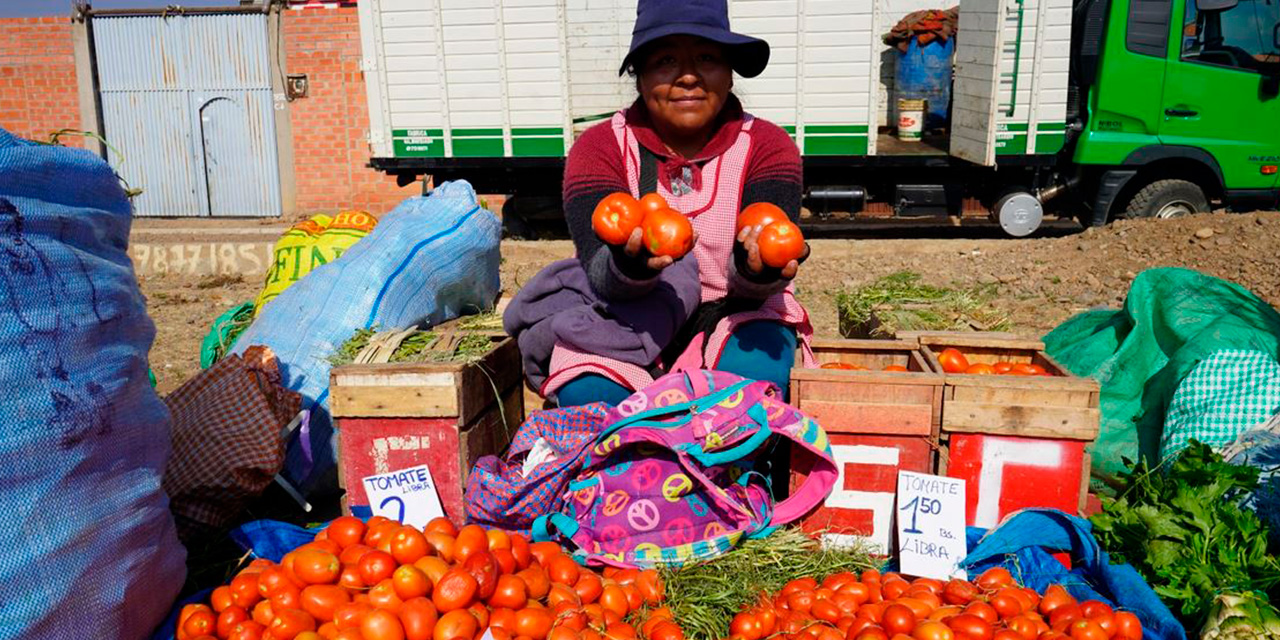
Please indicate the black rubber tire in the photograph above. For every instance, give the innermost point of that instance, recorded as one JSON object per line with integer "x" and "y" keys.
{"x": 1154, "y": 198}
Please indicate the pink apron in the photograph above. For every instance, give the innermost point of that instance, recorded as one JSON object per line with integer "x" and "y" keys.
{"x": 714, "y": 212}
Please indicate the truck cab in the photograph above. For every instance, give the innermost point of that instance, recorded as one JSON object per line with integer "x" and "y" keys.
{"x": 1179, "y": 106}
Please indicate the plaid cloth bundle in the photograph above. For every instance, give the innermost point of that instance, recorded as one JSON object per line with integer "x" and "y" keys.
{"x": 227, "y": 439}
{"x": 1225, "y": 395}
{"x": 499, "y": 491}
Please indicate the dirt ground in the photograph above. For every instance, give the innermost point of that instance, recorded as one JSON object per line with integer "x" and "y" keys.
{"x": 1041, "y": 281}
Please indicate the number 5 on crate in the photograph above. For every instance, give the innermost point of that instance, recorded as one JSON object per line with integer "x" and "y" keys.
{"x": 407, "y": 496}
{"x": 930, "y": 516}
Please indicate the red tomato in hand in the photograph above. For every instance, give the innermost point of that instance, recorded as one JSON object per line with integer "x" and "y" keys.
{"x": 616, "y": 217}
{"x": 667, "y": 233}
{"x": 953, "y": 361}
{"x": 780, "y": 243}
{"x": 760, "y": 214}
{"x": 653, "y": 202}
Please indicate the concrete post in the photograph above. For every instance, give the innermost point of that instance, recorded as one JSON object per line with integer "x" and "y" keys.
{"x": 86, "y": 79}
{"x": 280, "y": 103}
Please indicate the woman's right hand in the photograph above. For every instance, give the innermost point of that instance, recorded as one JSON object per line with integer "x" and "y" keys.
{"x": 635, "y": 248}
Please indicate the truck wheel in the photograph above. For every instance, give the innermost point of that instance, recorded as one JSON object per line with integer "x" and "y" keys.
{"x": 1167, "y": 199}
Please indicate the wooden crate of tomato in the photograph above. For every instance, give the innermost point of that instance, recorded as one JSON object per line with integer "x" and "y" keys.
{"x": 881, "y": 406}
{"x": 447, "y": 415}
{"x": 1015, "y": 424}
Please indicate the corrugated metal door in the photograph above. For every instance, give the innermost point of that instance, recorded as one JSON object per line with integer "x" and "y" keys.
{"x": 186, "y": 104}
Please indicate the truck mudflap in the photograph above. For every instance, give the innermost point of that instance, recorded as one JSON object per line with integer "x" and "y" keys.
{"x": 1109, "y": 186}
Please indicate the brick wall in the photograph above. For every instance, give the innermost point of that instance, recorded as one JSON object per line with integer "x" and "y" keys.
{"x": 38, "y": 78}
{"x": 38, "y": 95}
{"x": 330, "y": 125}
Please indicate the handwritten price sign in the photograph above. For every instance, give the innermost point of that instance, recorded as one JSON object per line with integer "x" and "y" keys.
{"x": 930, "y": 525}
{"x": 407, "y": 496}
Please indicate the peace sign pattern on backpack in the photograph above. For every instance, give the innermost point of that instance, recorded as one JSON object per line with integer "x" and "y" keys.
{"x": 674, "y": 475}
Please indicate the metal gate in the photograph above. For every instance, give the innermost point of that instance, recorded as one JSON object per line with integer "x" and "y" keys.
{"x": 187, "y": 109}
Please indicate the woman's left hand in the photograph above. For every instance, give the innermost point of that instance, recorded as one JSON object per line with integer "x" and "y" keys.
{"x": 749, "y": 238}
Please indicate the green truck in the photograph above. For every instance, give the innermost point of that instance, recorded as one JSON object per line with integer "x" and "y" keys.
{"x": 1097, "y": 109}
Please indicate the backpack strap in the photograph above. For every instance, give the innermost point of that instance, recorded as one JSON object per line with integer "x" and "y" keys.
{"x": 819, "y": 482}
{"x": 543, "y": 525}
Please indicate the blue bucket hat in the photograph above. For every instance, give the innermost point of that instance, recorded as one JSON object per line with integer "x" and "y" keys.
{"x": 703, "y": 18}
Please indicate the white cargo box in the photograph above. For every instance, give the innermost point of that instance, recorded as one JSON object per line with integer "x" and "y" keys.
{"x": 519, "y": 78}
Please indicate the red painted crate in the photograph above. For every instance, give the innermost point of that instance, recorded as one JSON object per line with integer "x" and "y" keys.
{"x": 878, "y": 423}
{"x": 396, "y": 416}
{"x": 1004, "y": 474}
{"x": 1018, "y": 441}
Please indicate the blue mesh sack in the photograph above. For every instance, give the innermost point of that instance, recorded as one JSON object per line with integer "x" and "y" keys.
{"x": 89, "y": 543}
{"x": 429, "y": 260}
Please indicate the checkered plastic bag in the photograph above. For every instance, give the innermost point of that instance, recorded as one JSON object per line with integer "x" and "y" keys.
{"x": 228, "y": 441}
{"x": 1228, "y": 393}
{"x": 547, "y": 452}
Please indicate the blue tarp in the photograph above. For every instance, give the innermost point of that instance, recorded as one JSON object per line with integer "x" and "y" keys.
{"x": 1025, "y": 543}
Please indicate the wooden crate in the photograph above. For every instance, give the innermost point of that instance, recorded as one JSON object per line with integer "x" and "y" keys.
{"x": 875, "y": 401}
{"x": 1018, "y": 441}
{"x": 878, "y": 423}
{"x": 1060, "y": 406}
{"x": 396, "y": 416}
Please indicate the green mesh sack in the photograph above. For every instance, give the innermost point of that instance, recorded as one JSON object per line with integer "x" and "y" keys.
{"x": 1171, "y": 320}
{"x": 223, "y": 333}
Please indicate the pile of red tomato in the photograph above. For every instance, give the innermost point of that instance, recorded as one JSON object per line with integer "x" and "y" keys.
{"x": 386, "y": 581}
{"x": 953, "y": 361}
{"x": 888, "y": 607}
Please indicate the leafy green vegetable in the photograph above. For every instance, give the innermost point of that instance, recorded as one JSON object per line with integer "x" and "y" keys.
{"x": 902, "y": 302}
{"x": 1185, "y": 529}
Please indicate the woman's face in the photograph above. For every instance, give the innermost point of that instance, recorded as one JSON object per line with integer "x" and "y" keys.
{"x": 685, "y": 81}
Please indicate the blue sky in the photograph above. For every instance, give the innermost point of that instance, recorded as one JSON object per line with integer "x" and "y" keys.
{"x": 22, "y": 8}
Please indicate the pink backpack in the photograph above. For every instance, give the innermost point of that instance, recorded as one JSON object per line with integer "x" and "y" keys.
{"x": 672, "y": 477}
